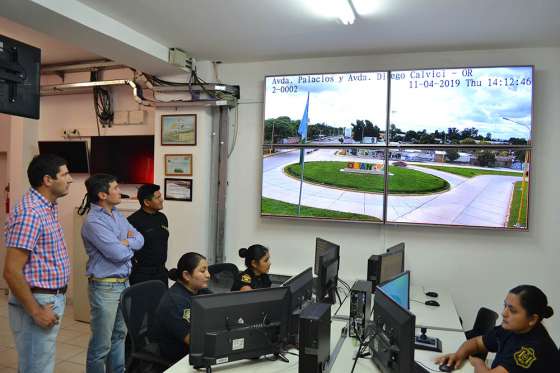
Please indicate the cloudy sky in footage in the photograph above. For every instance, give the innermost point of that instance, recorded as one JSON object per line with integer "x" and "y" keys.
{"x": 485, "y": 107}
{"x": 338, "y": 103}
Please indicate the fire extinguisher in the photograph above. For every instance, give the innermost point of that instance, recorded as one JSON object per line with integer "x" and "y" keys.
{"x": 7, "y": 189}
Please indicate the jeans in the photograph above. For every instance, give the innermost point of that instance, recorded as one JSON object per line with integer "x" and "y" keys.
{"x": 36, "y": 346}
{"x": 108, "y": 329}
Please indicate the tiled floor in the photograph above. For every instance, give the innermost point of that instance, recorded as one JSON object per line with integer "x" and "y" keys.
{"x": 71, "y": 343}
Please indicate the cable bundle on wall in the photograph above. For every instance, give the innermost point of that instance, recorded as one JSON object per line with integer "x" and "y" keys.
{"x": 102, "y": 104}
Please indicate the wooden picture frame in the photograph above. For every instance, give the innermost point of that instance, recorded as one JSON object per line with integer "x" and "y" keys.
{"x": 178, "y": 189}
{"x": 178, "y": 130}
{"x": 178, "y": 164}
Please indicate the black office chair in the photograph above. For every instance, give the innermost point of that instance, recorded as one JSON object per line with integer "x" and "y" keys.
{"x": 485, "y": 322}
{"x": 222, "y": 276}
{"x": 138, "y": 304}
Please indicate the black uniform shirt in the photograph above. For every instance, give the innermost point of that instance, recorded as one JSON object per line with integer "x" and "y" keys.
{"x": 173, "y": 322}
{"x": 248, "y": 277}
{"x": 154, "y": 228}
{"x": 532, "y": 352}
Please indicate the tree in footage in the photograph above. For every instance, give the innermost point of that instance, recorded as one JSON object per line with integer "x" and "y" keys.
{"x": 452, "y": 155}
{"x": 468, "y": 141}
{"x": 486, "y": 158}
{"x": 453, "y": 135}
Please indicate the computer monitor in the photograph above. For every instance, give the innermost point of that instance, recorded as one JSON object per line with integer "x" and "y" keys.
{"x": 74, "y": 152}
{"x": 381, "y": 268}
{"x": 392, "y": 342}
{"x": 398, "y": 288}
{"x": 323, "y": 247}
{"x": 239, "y": 325}
{"x": 328, "y": 279}
{"x": 301, "y": 288}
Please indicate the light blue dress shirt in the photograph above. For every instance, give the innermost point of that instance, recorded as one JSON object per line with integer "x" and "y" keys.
{"x": 102, "y": 234}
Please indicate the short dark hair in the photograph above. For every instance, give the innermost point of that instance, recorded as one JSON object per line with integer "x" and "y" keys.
{"x": 533, "y": 300}
{"x": 253, "y": 252}
{"x": 188, "y": 262}
{"x": 96, "y": 184}
{"x": 44, "y": 164}
{"x": 146, "y": 191}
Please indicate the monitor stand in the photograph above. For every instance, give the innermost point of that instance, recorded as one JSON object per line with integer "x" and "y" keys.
{"x": 423, "y": 342}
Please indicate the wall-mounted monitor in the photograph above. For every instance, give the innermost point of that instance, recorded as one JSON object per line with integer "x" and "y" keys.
{"x": 20, "y": 66}
{"x": 129, "y": 158}
{"x": 451, "y": 147}
{"x": 74, "y": 152}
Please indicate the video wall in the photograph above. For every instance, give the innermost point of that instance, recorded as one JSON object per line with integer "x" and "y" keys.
{"x": 441, "y": 146}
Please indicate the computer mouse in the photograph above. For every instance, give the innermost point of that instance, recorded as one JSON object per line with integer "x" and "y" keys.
{"x": 433, "y": 303}
{"x": 432, "y": 294}
{"x": 445, "y": 368}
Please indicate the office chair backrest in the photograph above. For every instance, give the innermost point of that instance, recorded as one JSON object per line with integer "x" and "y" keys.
{"x": 485, "y": 322}
{"x": 222, "y": 276}
{"x": 138, "y": 304}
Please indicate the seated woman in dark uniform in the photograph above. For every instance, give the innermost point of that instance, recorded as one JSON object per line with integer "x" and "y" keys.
{"x": 257, "y": 261}
{"x": 521, "y": 342}
{"x": 171, "y": 330}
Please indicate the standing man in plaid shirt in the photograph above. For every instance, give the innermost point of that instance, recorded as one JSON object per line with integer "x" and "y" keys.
{"x": 37, "y": 267}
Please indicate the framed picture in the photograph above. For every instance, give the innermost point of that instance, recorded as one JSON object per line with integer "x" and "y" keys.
{"x": 178, "y": 189}
{"x": 178, "y": 129}
{"x": 178, "y": 165}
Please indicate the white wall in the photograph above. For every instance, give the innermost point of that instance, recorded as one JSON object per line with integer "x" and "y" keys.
{"x": 477, "y": 266}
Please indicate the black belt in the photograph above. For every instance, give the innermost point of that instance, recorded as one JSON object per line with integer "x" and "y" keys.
{"x": 61, "y": 290}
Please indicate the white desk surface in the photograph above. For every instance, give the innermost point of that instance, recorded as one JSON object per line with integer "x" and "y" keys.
{"x": 450, "y": 343}
{"x": 443, "y": 317}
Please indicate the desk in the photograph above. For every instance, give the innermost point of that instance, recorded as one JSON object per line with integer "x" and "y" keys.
{"x": 450, "y": 343}
{"x": 343, "y": 362}
{"x": 259, "y": 366}
{"x": 443, "y": 317}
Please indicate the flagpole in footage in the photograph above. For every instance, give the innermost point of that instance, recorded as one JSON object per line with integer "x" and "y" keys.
{"x": 302, "y": 131}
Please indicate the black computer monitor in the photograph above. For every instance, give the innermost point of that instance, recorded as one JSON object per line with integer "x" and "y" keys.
{"x": 398, "y": 288}
{"x": 74, "y": 152}
{"x": 239, "y": 325}
{"x": 328, "y": 279}
{"x": 301, "y": 288}
{"x": 381, "y": 268}
{"x": 323, "y": 247}
{"x": 392, "y": 342}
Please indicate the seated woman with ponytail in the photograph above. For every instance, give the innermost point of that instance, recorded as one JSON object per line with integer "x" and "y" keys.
{"x": 171, "y": 330}
{"x": 257, "y": 261}
{"x": 521, "y": 342}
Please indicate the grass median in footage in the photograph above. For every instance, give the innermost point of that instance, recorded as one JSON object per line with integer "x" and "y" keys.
{"x": 470, "y": 172}
{"x": 274, "y": 207}
{"x": 403, "y": 180}
{"x": 515, "y": 204}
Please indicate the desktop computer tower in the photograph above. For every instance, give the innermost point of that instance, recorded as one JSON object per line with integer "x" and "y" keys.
{"x": 360, "y": 307}
{"x": 374, "y": 271}
{"x": 314, "y": 338}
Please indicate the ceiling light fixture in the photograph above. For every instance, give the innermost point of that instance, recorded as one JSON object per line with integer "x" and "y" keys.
{"x": 340, "y": 9}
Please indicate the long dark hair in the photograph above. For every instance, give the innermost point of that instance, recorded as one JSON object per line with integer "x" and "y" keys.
{"x": 188, "y": 262}
{"x": 254, "y": 252}
{"x": 533, "y": 300}
{"x": 95, "y": 184}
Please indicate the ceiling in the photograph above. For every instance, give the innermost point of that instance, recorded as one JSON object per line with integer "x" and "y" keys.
{"x": 53, "y": 51}
{"x": 256, "y": 30}
{"x": 252, "y": 30}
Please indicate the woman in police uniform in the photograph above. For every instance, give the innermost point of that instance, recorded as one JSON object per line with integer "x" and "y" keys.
{"x": 521, "y": 342}
{"x": 171, "y": 330}
{"x": 257, "y": 261}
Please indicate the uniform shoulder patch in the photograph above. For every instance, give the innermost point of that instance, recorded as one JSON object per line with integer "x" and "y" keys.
{"x": 165, "y": 227}
{"x": 525, "y": 357}
{"x": 187, "y": 314}
{"x": 246, "y": 278}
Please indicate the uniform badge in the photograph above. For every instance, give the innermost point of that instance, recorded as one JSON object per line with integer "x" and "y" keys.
{"x": 246, "y": 278}
{"x": 164, "y": 227}
{"x": 187, "y": 314}
{"x": 525, "y": 357}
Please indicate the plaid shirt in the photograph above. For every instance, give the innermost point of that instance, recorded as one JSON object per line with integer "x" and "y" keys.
{"x": 33, "y": 225}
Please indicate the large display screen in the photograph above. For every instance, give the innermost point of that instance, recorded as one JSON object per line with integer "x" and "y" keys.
{"x": 451, "y": 146}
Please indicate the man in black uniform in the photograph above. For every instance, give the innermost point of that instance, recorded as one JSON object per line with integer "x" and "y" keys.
{"x": 149, "y": 262}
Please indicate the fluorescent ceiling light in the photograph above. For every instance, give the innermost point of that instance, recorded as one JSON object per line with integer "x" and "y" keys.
{"x": 340, "y": 9}
{"x": 365, "y": 7}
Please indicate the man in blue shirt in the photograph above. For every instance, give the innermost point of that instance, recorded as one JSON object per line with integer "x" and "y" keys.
{"x": 110, "y": 242}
